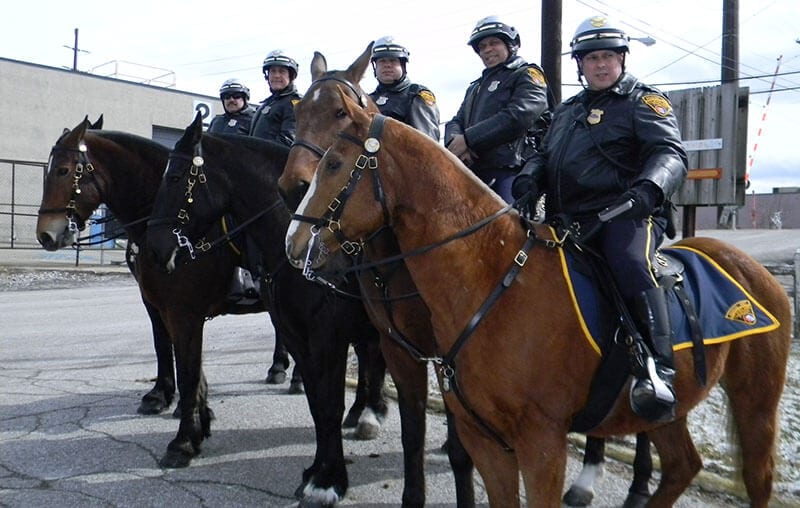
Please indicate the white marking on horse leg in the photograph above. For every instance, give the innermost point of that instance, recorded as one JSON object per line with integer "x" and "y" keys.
{"x": 324, "y": 497}
{"x": 368, "y": 425}
{"x": 588, "y": 475}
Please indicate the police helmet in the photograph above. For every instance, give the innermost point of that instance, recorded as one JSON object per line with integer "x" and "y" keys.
{"x": 492, "y": 26}
{"x": 387, "y": 47}
{"x": 597, "y": 33}
{"x": 278, "y": 58}
{"x": 233, "y": 85}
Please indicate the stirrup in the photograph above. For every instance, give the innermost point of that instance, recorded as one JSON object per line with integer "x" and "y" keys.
{"x": 651, "y": 398}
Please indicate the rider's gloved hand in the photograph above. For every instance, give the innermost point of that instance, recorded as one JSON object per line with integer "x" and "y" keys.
{"x": 644, "y": 197}
{"x": 525, "y": 193}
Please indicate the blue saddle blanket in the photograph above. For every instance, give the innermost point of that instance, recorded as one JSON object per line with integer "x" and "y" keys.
{"x": 725, "y": 310}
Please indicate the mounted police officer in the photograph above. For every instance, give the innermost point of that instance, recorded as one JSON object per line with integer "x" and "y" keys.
{"x": 274, "y": 118}
{"x": 493, "y": 130}
{"x": 396, "y": 96}
{"x": 238, "y": 113}
{"x": 610, "y": 162}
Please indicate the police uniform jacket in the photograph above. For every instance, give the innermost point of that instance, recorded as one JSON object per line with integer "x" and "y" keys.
{"x": 410, "y": 103}
{"x": 602, "y": 143}
{"x": 236, "y": 123}
{"x": 274, "y": 119}
{"x": 498, "y": 110}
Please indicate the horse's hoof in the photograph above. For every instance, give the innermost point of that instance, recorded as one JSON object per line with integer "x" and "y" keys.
{"x": 276, "y": 377}
{"x": 174, "y": 460}
{"x": 152, "y": 405}
{"x": 578, "y": 497}
{"x": 635, "y": 500}
{"x": 369, "y": 425}
{"x": 296, "y": 388}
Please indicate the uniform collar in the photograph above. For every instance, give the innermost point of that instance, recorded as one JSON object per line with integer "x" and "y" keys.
{"x": 398, "y": 86}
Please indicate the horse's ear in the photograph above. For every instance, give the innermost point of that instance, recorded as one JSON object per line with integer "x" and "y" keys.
{"x": 357, "y": 69}
{"x": 196, "y": 127}
{"x": 353, "y": 110}
{"x": 319, "y": 66}
{"x": 98, "y": 124}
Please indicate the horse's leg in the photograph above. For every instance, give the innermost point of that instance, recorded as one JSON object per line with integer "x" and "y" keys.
{"x": 639, "y": 491}
{"x": 542, "y": 456}
{"x": 195, "y": 415}
{"x": 498, "y": 468}
{"x": 374, "y": 413}
{"x": 461, "y": 464}
{"x": 680, "y": 462}
{"x": 754, "y": 407}
{"x": 323, "y": 370}
{"x": 581, "y": 492}
{"x": 280, "y": 362}
{"x": 160, "y": 396}
{"x": 360, "y": 402}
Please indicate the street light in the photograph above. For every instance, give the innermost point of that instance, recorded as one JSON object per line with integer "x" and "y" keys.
{"x": 649, "y": 41}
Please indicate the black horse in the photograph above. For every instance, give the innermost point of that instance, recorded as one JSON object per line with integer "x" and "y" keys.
{"x": 204, "y": 181}
{"x": 89, "y": 167}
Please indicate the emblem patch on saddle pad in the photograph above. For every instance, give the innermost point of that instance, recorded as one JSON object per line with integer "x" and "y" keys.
{"x": 742, "y": 311}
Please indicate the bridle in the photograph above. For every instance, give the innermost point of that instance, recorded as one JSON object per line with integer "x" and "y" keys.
{"x": 75, "y": 221}
{"x": 197, "y": 179}
{"x": 362, "y": 100}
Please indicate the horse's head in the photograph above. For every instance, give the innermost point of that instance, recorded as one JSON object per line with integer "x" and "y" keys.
{"x": 184, "y": 208}
{"x": 341, "y": 211}
{"x": 71, "y": 191}
{"x": 320, "y": 116}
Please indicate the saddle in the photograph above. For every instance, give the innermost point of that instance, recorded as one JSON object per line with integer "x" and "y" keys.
{"x": 706, "y": 306}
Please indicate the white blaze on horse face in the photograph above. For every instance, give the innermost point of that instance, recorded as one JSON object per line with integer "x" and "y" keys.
{"x": 295, "y": 225}
{"x": 315, "y": 97}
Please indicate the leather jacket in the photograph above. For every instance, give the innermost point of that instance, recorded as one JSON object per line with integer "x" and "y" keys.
{"x": 410, "y": 103}
{"x": 498, "y": 111}
{"x": 600, "y": 144}
{"x": 274, "y": 119}
{"x": 233, "y": 123}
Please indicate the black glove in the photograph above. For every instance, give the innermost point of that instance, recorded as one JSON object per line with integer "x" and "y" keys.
{"x": 523, "y": 184}
{"x": 643, "y": 198}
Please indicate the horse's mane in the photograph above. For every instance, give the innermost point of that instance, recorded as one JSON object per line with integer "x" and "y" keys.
{"x": 269, "y": 153}
{"x": 149, "y": 150}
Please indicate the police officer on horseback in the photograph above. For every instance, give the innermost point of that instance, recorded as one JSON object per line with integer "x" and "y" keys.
{"x": 610, "y": 162}
{"x": 495, "y": 128}
{"x": 238, "y": 113}
{"x": 274, "y": 119}
{"x": 396, "y": 96}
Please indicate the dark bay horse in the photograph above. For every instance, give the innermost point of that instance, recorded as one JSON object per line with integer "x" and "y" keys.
{"x": 208, "y": 177}
{"x": 391, "y": 298}
{"x": 463, "y": 243}
{"x": 125, "y": 174}
{"x": 319, "y": 119}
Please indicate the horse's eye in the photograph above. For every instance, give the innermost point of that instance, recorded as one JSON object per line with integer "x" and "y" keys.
{"x": 333, "y": 164}
{"x": 341, "y": 113}
{"x": 63, "y": 171}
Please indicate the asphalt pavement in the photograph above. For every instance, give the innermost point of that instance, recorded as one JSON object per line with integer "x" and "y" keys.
{"x": 75, "y": 360}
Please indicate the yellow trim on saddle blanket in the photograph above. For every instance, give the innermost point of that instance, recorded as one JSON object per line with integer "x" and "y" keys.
{"x": 230, "y": 241}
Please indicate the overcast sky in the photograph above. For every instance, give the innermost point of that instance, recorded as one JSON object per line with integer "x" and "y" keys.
{"x": 203, "y": 43}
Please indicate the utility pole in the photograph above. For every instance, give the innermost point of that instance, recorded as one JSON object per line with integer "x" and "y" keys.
{"x": 75, "y": 51}
{"x": 551, "y": 49}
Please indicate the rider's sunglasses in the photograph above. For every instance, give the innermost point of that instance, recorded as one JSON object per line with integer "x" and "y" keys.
{"x": 232, "y": 96}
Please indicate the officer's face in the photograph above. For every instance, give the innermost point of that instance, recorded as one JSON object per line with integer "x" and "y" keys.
{"x": 602, "y": 68}
{"x": 278, "y": 77}
{"x": 492, "y": 51}
{"x": 388, "y": 70}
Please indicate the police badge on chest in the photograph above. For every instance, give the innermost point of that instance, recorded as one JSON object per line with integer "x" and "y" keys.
{"x": 382, "y": 100}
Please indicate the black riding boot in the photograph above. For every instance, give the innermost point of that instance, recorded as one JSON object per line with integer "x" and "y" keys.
{"x": 652, "y": 394}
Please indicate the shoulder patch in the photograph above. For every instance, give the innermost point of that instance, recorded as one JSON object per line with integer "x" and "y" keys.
{"x": 428, "y": 97}
{"x": 658, "y": 103}
{"x": 294, "y": 102}
{"x": 536, "y": 76}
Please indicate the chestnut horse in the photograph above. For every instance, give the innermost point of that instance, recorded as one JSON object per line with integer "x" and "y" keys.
{"x": 124, "y": 171}
{"x": 391, "y": 299}
{"x": 463, "y": 243}
{"x": 319, "y": 119}
{"x": 211, "y": 176}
